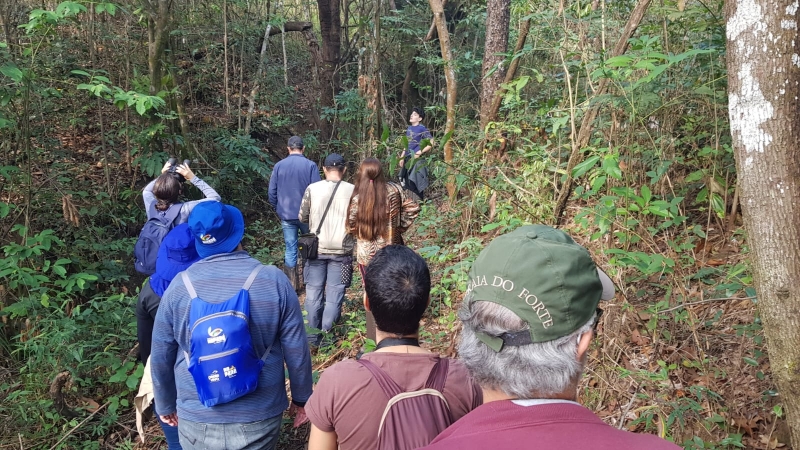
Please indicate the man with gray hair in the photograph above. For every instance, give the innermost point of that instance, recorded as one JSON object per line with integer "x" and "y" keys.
{"x": 528, "y": 320}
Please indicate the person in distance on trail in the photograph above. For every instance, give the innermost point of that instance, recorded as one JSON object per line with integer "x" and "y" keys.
{"x": 413, "y": 171}
{"x": 224, "y": 330}
{"x": 165, "y": 192}
{"x": 348, "y": 406}
{"x": 324, "y": 209}
{"x": 528, "y": 320}
{"x": 287, "y": 184}
{"x": 378, "y": 215}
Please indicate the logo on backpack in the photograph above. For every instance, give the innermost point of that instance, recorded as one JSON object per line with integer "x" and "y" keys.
{"x": 221, "y": 359}
{"x": 216, "y": 336}
{"x": 145, "y": 252}
{"x": 425, "y": 411}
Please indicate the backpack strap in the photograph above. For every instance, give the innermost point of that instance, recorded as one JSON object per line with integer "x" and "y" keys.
{"x": 252, "y": 277}
{"x": 247, "y": 284}
{"x": 172, "y": 213}
{"x": 246, "y": 287}
{"x": 387, "y": 384}
{"x": 188, "y": 284}
{"x": 438, "y": 375}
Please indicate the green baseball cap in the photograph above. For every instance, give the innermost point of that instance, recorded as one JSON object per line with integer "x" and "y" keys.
{"x": 544, "y": 277}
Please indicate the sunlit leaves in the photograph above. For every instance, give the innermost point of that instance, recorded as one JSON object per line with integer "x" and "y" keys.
{"x": 97, "y": 85}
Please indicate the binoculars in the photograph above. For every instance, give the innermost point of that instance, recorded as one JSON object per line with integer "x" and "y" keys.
{"x": 173, "y": 165}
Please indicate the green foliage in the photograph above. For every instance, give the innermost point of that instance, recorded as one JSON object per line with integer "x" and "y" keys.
{"x": 97, "y": 85}
{"x": 61, "y": 323}
{"x": 243, "y": 155}
{"x": 350, "y": 111}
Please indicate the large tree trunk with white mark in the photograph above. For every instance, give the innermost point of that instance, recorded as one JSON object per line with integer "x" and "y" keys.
{"x": 763, "y": 89}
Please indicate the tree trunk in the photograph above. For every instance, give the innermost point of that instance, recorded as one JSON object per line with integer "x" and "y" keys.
{"x": 406, "y": 100}
{"x": 290, "y": 27}
{"x": 316, "y": 64}
{"x": 6, "y": 11}
{"x": 241, "y": 72}
{"x": 498, "y": 16}
{"x": 180, "y": 107}
{"x": 251, "y": 100}
{"x": 587, "y": 123}
{"x": 437, "y": 7}
{"x": 763, "y": 105}
{"x": 510, "y": 73}
{"x": 158, "y": 22}
{"x": 330, "y": 24}
{"x": 376, "y": 69}
{"x": 285, "y": 59}
{"x": 225, "y": 53}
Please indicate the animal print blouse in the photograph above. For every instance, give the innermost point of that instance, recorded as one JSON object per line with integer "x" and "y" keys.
{"x": 402, "y": 212}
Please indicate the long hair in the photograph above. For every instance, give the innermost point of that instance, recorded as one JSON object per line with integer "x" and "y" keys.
{"x": 372, "y": 216}
{"x": 167, "y": 190}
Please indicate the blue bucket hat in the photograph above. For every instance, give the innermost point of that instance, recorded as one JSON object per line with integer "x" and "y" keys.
{"x": 176, "y": 253}
{"x": 217, "y": 228}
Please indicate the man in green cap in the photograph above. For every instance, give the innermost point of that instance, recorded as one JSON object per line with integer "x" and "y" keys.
{"x": 528, "y": 319}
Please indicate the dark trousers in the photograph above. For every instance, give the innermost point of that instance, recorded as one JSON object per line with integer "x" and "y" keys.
{"x": 146, "y": 309}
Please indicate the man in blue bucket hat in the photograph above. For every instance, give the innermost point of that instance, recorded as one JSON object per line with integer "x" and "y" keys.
{"x": 250, "y": 420}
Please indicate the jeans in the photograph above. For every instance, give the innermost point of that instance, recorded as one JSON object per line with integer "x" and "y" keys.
{"x": 171, "y": 434}
{"x": 261, "y": 435}
{"x": 324, "y": 293}
{"x": 290, "y": 228}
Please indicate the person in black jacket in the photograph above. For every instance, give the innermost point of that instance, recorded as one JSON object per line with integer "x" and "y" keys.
{"x": 176, "y": 253}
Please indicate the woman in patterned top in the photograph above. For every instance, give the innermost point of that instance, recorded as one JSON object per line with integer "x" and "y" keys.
{"x": 379, "y": 213}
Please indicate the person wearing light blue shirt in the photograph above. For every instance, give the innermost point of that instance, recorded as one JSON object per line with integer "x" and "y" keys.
{"x": 276, "y": 329}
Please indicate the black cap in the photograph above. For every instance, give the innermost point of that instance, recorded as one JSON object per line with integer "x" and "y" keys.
{"x": 296, "y": 142}
{"x": 334, "y": 160}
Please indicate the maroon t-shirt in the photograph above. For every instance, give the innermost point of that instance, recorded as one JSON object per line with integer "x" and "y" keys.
{"x": 505, "y": 425}
{"x": 349, "y": 402}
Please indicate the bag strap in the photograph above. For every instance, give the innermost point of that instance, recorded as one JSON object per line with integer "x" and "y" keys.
{"x": 246, "y": 287}
{"x": 188, "y": 284}
{"x": 333, "y": 194}
{"x": 252, "y": 277}
{"x": 388, "y": 385}
{"x": 438, "y": 375}
{"x": 173, "y": 212}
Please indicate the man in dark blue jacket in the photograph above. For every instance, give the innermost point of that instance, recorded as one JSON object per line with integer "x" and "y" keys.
{"x": 290, "y": 178}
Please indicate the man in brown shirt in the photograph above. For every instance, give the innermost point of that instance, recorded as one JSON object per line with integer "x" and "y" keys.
{"x": 347, "y": 405}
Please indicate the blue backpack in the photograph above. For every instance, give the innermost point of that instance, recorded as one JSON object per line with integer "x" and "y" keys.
{"x": 145, "y": 252}
{"x": 221, "y": 359}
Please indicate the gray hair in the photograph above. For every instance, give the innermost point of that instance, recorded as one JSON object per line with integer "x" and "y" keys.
{"x": 538, "y": 370}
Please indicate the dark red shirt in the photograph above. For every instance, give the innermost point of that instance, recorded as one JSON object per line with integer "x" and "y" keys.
{"x": 507, "y": 426}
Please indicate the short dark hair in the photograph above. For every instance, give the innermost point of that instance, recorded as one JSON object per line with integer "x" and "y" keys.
{"x": 419, "y": 111}
{"x": 339, "y": 169}
{"x": 398, "y": 285}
